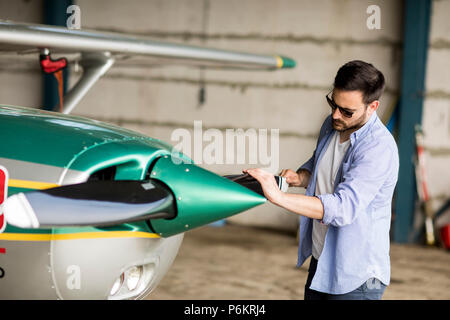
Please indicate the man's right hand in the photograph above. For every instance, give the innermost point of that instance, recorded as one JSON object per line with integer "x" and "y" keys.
{"x": 295, "y": 179}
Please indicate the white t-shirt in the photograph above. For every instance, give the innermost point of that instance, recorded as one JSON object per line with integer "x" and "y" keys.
{"x": 326, "y": 174}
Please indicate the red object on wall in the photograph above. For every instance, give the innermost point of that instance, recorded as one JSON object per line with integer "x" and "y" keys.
{"x": 445, "y": 236}
{"x": 49, "y": 65}
{"x": 54, "y": 67}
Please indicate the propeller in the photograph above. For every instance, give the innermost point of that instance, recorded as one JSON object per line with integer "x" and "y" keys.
{"x": 93, "y": 203}
{"x": 188, "y": 198}
{"x": 251, "y": 183}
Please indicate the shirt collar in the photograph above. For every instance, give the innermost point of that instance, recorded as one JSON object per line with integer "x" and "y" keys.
{"x": 361, "y": 132}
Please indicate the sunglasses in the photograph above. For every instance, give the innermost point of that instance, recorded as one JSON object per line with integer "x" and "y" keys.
{"x": 346, "y": 113}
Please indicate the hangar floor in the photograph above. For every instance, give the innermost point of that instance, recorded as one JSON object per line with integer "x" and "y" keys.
{"x": 237, "y": 262}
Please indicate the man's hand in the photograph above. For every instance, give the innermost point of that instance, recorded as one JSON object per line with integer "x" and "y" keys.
{"x": 268, "y": 183}
{"x": 307, "y": 206}
{"x": 296, "y": 179}
{"x": 292, "y": 177}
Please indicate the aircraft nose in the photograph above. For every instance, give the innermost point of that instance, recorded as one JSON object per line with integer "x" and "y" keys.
{"x": 202, "y": 196}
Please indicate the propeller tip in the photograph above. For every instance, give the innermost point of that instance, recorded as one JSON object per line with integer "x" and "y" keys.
{"x": 19, "y": 213}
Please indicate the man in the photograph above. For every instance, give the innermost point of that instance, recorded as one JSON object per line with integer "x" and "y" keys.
{"x": 350, "y": 180}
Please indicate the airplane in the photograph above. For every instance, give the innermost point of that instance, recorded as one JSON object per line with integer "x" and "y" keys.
{"x": 92, "y": 210}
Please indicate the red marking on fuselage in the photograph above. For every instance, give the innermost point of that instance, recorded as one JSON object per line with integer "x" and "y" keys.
{"x": 2, "y": 222}
{"x": 3, "y": 195}
{"x": 3, "y": 186}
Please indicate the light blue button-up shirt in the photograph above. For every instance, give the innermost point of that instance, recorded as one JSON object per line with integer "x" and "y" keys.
{"x": 358, "y": 213}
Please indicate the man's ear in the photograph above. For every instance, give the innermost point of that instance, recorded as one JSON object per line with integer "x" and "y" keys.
{"x": 373, "y": 106}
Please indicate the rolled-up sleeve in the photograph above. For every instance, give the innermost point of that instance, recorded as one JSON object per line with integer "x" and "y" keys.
{"x": 371, "y": 167}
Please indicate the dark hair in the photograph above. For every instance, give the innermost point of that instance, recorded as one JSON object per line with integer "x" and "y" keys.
{"x": 362, "y": 76}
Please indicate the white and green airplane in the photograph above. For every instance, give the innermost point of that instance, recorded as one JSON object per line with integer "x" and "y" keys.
{"x": 91, "y": 210}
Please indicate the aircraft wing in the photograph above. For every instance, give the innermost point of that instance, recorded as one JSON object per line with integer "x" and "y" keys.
{"x": 21, "y": 37}
{"x": 98, "y": 51}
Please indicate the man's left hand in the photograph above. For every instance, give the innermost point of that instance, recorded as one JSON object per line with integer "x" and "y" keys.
{"x": 268, "y": 183}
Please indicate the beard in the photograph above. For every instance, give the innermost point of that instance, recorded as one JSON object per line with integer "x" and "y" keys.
{"x": 341, "y": 126}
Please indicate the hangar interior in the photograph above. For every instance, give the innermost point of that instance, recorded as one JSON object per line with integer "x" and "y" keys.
{"x": 411, "y": 46}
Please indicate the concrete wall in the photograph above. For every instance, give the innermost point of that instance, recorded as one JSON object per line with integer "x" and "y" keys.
{"x": 156, "y": 99}
{"x": 20, "y": 83}
{"x": 436, "y": 110}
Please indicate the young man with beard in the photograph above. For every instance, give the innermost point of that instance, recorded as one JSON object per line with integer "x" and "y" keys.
{"x": 350, "y": 180}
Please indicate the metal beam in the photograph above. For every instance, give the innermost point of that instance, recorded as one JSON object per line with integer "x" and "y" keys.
{"x": 94, "y": 66}
{"x": 417, "y": 15}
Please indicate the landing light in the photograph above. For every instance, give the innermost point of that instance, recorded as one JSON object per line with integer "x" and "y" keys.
{"x": 117, "y": 285}
{"x": 133, "y": 282}
{"x": 133, "y": 276}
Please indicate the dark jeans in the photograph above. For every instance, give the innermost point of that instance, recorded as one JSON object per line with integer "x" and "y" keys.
{"x": 372, "y": 289}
